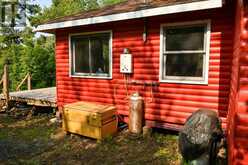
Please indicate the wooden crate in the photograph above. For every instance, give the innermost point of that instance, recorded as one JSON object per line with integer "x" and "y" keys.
{"x": 90, "y": 119}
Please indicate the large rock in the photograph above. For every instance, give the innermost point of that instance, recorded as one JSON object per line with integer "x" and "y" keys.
{"x": 198, "y": 133}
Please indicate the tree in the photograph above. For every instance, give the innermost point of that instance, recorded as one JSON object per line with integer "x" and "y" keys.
{"x": 109, "y": 2}
{"x": 60, "y": 8}
{"x": 31, "y": 54}
{"x": 38, "y": 59}
{"x": 25, "y": 52}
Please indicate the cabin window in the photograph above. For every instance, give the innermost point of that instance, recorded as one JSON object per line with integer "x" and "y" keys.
{"x": 185, "y": 52}
{"x": 91, "y": 55}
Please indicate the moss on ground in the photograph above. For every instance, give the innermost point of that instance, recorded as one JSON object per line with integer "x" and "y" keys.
{"x": 31, "y": 141}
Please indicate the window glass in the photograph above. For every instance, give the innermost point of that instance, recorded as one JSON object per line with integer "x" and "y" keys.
{"x": 81, "y": 50}
{"x": 184, "y": 65}
{"x": 184, "y": 52}
{"x": 99, "y": 54}
{"x": 91, "y": 55}
{"x": 185, "y": 38}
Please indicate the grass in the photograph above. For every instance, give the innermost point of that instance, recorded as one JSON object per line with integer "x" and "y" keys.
{"x": 33, "y": 141}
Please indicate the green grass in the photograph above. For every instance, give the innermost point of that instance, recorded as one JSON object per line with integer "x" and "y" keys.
{"x": 29, "y": 142}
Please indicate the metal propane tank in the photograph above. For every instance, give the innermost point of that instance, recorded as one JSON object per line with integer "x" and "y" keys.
{"x": 136, "y": 113}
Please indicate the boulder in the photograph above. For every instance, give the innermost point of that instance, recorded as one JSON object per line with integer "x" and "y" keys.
{"x": 197, "y": 136}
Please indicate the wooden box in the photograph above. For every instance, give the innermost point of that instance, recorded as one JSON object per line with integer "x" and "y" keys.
{"x": 90, "y": 119}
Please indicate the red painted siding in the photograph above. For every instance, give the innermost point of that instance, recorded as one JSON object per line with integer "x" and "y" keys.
{"x": 171, "y": 103}
{"x": 238, "y": 114}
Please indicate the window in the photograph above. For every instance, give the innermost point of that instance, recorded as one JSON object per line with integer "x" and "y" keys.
{"x": 185, "y": 51}
{"x": 91, "y": 55}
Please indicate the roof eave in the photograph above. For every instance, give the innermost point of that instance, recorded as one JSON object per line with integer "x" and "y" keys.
{"x": 193, "y": 6}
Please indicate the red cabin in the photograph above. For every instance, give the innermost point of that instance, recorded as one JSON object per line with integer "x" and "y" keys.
{"x": 179, "y": 55}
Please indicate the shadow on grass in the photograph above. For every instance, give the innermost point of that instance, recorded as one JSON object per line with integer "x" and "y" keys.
{"x": 33, "y": 144}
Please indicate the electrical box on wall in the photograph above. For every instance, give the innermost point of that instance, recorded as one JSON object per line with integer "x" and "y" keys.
{"x": 126, "y": 65}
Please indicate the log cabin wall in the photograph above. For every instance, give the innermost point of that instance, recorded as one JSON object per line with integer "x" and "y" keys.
{"x": 169, "y": 104}
{"x": 238, "y": 104}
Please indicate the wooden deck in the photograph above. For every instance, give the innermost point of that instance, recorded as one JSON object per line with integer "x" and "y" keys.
{"x": 38, "y": 97}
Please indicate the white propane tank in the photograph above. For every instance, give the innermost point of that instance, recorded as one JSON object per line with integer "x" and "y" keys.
{"x": 136, "y": 113}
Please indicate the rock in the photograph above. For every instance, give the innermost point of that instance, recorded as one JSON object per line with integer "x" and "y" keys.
{"x": 53, "y": 120}
{"x": 196, "y": 137}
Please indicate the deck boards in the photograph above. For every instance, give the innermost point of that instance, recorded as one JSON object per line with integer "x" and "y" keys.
{"x": 38, "y": 97}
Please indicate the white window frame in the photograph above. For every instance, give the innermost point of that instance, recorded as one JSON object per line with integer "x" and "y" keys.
{"x": 180, "y": 79}
{"x": 72, "y": 72}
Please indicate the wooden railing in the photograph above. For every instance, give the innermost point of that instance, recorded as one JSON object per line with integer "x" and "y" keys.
{"x": 5, "y": 82}
{"x": 26, "y": 78}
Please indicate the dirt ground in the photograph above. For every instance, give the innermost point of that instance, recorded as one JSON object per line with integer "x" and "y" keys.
{"x": 35, "y": 140}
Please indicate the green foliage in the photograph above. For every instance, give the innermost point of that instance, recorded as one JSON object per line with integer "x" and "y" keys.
{"x": 108, "y": 2}
{"x": 32, "y": 54}
{"x": 60, "y": 8}
{"x": 31, "y": 9}
{"x": 38, "y": 59}
{"x": 28, "y": 53}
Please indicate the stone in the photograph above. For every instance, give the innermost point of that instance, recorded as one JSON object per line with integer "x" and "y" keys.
{"x": 53, "y": 120}
{"x": 196, "y": 137}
